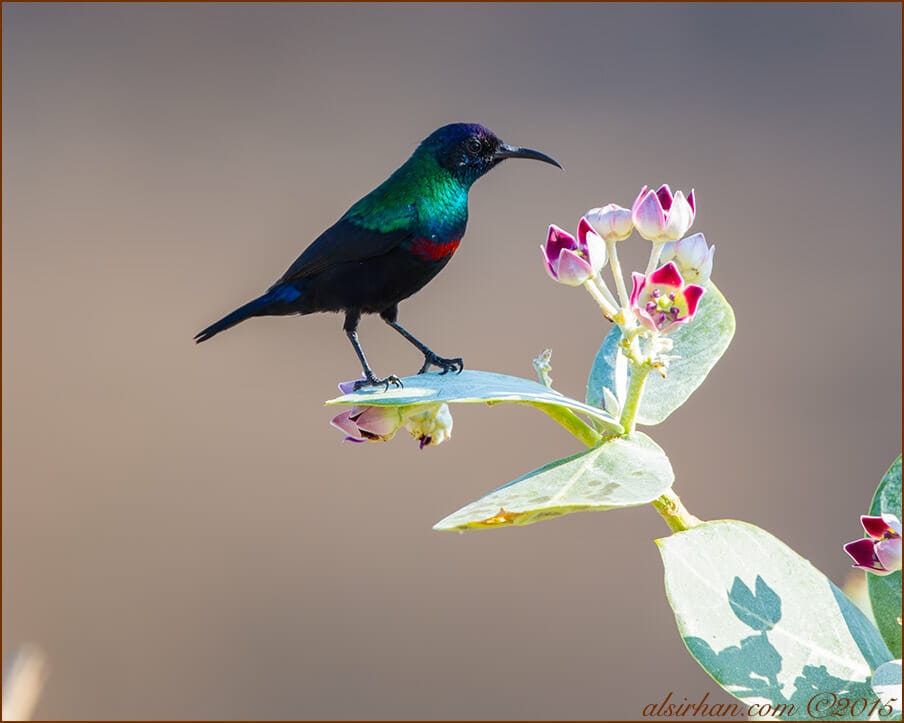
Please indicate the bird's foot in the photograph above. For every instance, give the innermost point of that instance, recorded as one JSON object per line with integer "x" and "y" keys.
{"x": 447, "y": 365}
{"x": 371, "y": 381}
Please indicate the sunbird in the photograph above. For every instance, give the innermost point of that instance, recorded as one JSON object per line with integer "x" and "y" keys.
{"x": 390, "y": 244}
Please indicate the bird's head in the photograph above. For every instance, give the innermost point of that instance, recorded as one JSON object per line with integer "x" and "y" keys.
{"x": 469, "y": 150}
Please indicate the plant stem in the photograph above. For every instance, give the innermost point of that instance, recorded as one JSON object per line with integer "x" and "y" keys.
{"x": 617, "y": 274}
{"x": 573, "y": 423}
{"x": 636, "y": 383}
{"x": 675, "y": 513}
{"x": 655, "y": 253}
{"x": 609, "y": 310}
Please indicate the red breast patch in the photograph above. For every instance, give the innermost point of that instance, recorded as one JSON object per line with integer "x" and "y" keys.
{"x": 431, "y": 250}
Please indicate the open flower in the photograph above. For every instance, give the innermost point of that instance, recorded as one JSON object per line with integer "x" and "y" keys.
{"x": 692, "y": 256}
{"x": 880, "y": 553}
{"x": 662, "y": 301}
{"x": 660, "y": 216}
{"x": 612, "y": 222}
{"x": 573, "y": 261}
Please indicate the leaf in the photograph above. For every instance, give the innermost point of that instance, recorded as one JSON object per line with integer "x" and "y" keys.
{"x": 793, "y": 636}
{"x": 886, "y": 683}
{"x": 699, "y": 344}
{"x": 760, "y": 610}
{"x": 885, "y": 590}
{"x": 622, "y": 472}
{"x": 476, "y": 386}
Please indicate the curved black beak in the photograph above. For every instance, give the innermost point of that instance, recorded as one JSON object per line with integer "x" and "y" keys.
{"x": 506, "y": 151}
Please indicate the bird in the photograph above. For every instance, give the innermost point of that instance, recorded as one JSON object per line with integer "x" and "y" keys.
{"x": 389, "y": 244}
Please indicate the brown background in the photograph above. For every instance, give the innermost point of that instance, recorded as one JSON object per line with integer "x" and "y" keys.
{"x": 183, "y": 532}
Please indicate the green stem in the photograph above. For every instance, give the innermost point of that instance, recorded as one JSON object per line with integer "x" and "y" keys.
{"x": 639, "y": 374}
{"x": 573, "y": 423}
{"x": 675, "y": 513}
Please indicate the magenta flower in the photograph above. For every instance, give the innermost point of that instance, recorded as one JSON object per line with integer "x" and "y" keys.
{"x": 573, "y": 261}
{"x": 612, "y": 222}
{"x": 880, "y": 553}
{"x": 662, "y": 301}
{"x": 660, "y": 216}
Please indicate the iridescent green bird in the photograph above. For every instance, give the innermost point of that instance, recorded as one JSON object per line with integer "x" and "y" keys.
{"x": 390, "y": 243}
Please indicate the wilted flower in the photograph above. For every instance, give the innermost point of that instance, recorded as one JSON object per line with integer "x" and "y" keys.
{"x": 573, "y": 261}
{"x": 659, "y": 216}
{"x": 662, "y": 300}
{"x": 692, "y": 256}
{"x": 369, "y": 424}
{"x": 612, "y": 222}
{"x": 430, "y": 424}
{"x": 880, "y": 553}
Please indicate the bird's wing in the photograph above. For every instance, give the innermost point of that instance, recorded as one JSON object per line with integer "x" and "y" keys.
{"x": 353, "y": 238}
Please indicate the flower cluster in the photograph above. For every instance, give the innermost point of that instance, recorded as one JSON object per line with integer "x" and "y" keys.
{"x": 667, "y": 294}
{"x": 880, "y": 551}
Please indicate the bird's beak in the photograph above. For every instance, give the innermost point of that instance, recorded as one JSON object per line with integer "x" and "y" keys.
{"x": 506, "y": 151}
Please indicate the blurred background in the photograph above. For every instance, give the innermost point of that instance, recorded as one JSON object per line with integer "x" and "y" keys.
{"x": 183, "y": 533}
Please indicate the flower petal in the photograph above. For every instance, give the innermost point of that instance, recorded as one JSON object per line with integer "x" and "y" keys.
{"x": 592, "y": 245}
{"x": 893, "y": 522}
{"x": 678, "y": 219}
{"x": 550, "y": 268}
{"x": 692, "y": 203}
{"x": 572, "y": 270}
{"x": 888, "y": 553}
{"x": 665, "y": 196}
{"x": 343, "y": 423}
{"x": 692, "y": 294}
{"x": 644, "y": 318}
{"x": 649, "y": 217}
{"x": 667, "y": 275}
{"x": 348, "y": 387}
{"x": 637, "y": 201}
{"x": 863, "y": 554}
{"x": 639, "y": 282}
{"x": 379, "y": 421}
{"x": 876, "y": 526}
{"x": 557, "y": 240}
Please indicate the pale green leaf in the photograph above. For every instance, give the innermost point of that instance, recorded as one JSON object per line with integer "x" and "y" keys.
{"x": 477, "y": 386}
{"x": 886, "y": 683}
{"x": 885, "y": 590}
{"x": 699, "y": 344}
{"x": 763, "y": 622}
{"x": 622, "y": 472}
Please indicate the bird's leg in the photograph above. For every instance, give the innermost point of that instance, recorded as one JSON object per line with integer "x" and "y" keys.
{"x": 370, "y": 380}
{"x": 430, "y": 358}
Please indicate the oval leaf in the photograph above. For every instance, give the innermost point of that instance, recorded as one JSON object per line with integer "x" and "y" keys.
{"x": 885, "y": 590}
{"x": 476, "y": 386}
{"x": 763, "y": 622}
{"x": 622, "y": 472}
{"x": 699, "y": 344}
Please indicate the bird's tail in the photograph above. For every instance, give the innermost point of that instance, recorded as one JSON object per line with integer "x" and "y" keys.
{"x": 274, "y": 300}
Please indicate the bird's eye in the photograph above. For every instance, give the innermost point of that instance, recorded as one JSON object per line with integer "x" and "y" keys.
{"x": 473, "y": 147}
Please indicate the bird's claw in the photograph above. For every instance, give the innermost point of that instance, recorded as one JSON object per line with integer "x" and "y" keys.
{"x": 385, "y": 382}
{"x": 447, "y": 365}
